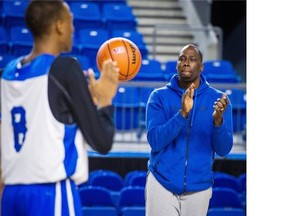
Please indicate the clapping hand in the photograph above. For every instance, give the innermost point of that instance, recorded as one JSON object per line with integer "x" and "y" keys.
{"x": 220, "y": 106}
{"x": 187, "y": 100}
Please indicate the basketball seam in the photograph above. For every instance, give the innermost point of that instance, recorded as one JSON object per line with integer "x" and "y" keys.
{"x": 110, "y": 52}
{"x": 128, "y": 69}
{"x": 139, "y": 62}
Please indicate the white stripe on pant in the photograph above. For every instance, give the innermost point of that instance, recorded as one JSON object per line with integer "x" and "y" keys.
{"x": 161, "y": 202}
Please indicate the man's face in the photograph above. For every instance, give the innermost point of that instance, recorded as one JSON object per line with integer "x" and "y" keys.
{"x": 69, "y": 29}
{"x": 189, "y": 65}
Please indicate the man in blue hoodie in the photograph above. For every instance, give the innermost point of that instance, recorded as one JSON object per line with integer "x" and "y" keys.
{"x": 188, "y": 121}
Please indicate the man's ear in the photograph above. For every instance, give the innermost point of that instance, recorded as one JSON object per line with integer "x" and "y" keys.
{"x": 59, "y": 26}
{"x": 202, "y": 67}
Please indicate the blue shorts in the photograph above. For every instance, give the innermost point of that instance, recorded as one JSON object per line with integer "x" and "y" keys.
{"x": 53, "y": 199}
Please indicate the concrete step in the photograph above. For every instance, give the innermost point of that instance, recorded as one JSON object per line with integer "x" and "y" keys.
{"x": 154, "y": 5}
{"x": 151, "y": 21}
{"x": 149, "y": 30}
{"x": 163, "y": 58}
{"x": 168, "y": 40}
{"x": 162, "y": 49}
{"x": 142, "y": 13}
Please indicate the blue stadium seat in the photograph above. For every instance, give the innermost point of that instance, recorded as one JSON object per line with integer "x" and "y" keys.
{"x": 14, "y": 12}
{"x": 76, "y": 46}
{"x": 135, "y": 37}
{"x": 220, "y": 173}
{"x": 131, "y": 174}
{"x": 218, "y": 67}
{"x": 220, "y": 71}
{"x": 226, "y": 212}
{"x": 119, "y": 16}
{"x": 237, "y": 97}
{"x": 91, "y": 40}
{"x": 86, "y": 15}
{"x": 83, "y": 60}
{"x": 170, "y": 69}
{"x": 133, "y": 211}
{"x": 144, "y": 96}
{"x": 225, "y": 197}
{"x": 127, "y": 106}
{"x": 242, "y": 181}
{"x": 99, "y": 211}
{"x": 238, "y": 101}
{"x": 1, "y": 14}
{"x": 96, "y": 196}
{"x": 107, "y": 179}
{"x": 4, "y": 41}
{"x": 5, "y": 59}
{"x": 98, "y": 172}
{"x": 151, "y": 70}
{"x": 101, "y": 3}
{"x": 138, "y": 180}
{"x": 21, "y": 40}
{"x": 228, "y": 181}
{"x": 132, "y": 201}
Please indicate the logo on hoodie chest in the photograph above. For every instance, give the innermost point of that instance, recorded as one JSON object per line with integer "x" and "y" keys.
{"x": 202, "y": 108}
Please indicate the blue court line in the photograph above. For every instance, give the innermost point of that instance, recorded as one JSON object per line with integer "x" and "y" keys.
{"x": 232, "y": 156}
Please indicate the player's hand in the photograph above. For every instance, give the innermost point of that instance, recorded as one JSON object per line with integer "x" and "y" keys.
{"x": 220, "y": 106}
{"x": 104, "y": 89}
{"x": 187, "y": 100}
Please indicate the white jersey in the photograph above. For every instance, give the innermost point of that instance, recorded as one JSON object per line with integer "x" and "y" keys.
{"x": 34, "y": 142}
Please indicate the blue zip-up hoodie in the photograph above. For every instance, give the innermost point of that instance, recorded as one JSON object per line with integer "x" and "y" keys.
{"x": 183, "y": 149}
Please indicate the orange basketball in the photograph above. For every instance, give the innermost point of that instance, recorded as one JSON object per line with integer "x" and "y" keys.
{"x": 125, "y": 53}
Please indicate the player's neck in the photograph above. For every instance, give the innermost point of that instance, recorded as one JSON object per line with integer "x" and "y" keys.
{"x": 45, "y": 46}
{"x": 35, "y": 53}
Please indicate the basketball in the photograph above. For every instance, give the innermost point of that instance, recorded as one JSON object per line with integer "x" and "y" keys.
{"x": 125, "y": 53}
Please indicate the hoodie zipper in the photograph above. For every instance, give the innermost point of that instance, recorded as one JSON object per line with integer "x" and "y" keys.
{"x": 190, "y": 123}
{"x": 186, "y": 161}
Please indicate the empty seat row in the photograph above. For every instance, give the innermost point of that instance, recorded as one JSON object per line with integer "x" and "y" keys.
{"x": 109, "y": 16}
{"x": 237, "y": 183}
{"x": 94, "y": 14}
{"x": 99, "y": 201}
{"x": 107, "y": 193}
{"x": 12, "y": 13}
{"x": 130, "y": 199}
{"x": 130, "y": 104}
{"x": 224, "y": 211}
{"x": 223, "y": 199}
{"x": 113, "y": 181}
{"x": 18, "y": 41}
{"x": 151, "y": 70}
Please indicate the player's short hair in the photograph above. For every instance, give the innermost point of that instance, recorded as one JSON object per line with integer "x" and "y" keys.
{"x": 40, "y": 14}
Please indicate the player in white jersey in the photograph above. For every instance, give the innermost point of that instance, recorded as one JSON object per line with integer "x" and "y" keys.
{"x": 49, "y": 112}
